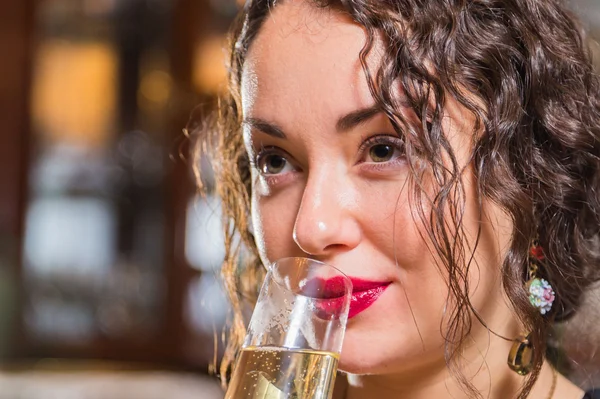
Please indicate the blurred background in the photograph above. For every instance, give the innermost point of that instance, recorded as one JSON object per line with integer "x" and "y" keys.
{"x": 109, "y": 282}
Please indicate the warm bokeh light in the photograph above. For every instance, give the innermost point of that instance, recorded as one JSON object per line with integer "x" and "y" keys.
{"x": 156, "y": 87}
{"x": 210, "y": 73}
{"x": 74, "y": 91}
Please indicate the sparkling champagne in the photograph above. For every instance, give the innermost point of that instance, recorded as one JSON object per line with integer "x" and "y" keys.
{"x": 279, "y": 373}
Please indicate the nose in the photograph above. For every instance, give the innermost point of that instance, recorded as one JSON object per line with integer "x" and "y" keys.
{"x": 326, "y": 222}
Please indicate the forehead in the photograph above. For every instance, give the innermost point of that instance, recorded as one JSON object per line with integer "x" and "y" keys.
{"x": 306, "y": 60}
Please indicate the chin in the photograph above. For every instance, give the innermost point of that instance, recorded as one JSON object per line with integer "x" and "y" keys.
{"x": 376, "y": 352}
{"x": 364, "y": 358}
{"x": 354, "y": 366}
{"x": 369, "y": 364}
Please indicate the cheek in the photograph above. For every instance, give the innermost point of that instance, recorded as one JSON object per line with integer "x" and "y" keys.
{"x": 395, "y": 235}
{"x": 258, "y": 226}
{"x": 273, "y": 219}
{"x": 391, "y": 223}
{"x": 397, "y": 228}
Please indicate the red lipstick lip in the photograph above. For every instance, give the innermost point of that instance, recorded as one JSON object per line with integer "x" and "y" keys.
{"x": 364, "y": 294}
{"x": 359, "y": 285}
{"x": 329, "y": 293}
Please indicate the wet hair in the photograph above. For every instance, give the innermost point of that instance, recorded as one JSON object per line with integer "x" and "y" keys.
{"x": 523, "y": 69}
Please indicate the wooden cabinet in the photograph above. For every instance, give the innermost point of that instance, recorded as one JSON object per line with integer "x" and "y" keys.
{"x": 96, "y": 200}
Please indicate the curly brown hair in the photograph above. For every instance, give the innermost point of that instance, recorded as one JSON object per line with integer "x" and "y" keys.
{"x": 522, "y": 67}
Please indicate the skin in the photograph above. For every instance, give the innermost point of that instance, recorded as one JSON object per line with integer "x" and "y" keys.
{"x": 328, "y": 193}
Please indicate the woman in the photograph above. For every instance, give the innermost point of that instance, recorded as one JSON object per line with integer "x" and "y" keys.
{"x": 446, "y": 150}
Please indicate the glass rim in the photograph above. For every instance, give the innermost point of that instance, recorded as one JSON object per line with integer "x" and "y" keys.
{"x": 272, "y": 266}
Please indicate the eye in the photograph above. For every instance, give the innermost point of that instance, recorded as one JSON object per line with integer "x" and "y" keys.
{"x": 382, "y": 149}
{"x": 381, "y": 152}
{"x": 272, "y": 163}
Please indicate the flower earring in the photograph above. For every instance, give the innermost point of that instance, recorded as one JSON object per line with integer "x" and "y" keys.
{"x": 541, "y": 294}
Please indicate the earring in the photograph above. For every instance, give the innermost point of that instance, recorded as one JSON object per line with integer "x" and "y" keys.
{"x": 541, "y": 294}
{"x": 520, "y": 357}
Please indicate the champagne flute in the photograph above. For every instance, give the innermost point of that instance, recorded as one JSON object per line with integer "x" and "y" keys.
{"x": 295, "y": 334}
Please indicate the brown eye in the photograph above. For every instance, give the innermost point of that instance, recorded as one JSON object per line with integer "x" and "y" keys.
{"x": 381, "y": 152}
{"x": 272, "y": 164}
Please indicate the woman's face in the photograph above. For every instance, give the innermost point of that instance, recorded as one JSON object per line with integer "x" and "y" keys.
{"x": 330, "y": 181}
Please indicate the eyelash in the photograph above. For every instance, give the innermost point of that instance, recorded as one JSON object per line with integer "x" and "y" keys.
{"x": 263, "y": 152}
{"x": 385, "y": 139}
{"x": 382, "y": 139}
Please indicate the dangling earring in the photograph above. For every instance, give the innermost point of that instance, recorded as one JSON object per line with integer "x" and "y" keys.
{"x": 541, "y": 296}
{"x": 520, "y": 357}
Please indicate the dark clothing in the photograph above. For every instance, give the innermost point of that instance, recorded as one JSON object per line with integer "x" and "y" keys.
{"x": 593, "y": 394}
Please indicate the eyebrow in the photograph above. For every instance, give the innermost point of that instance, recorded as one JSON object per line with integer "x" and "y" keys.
{"x": 345, "y": 123}
{"x": 266, "y": 127}
{"x": 355, "y": 118}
